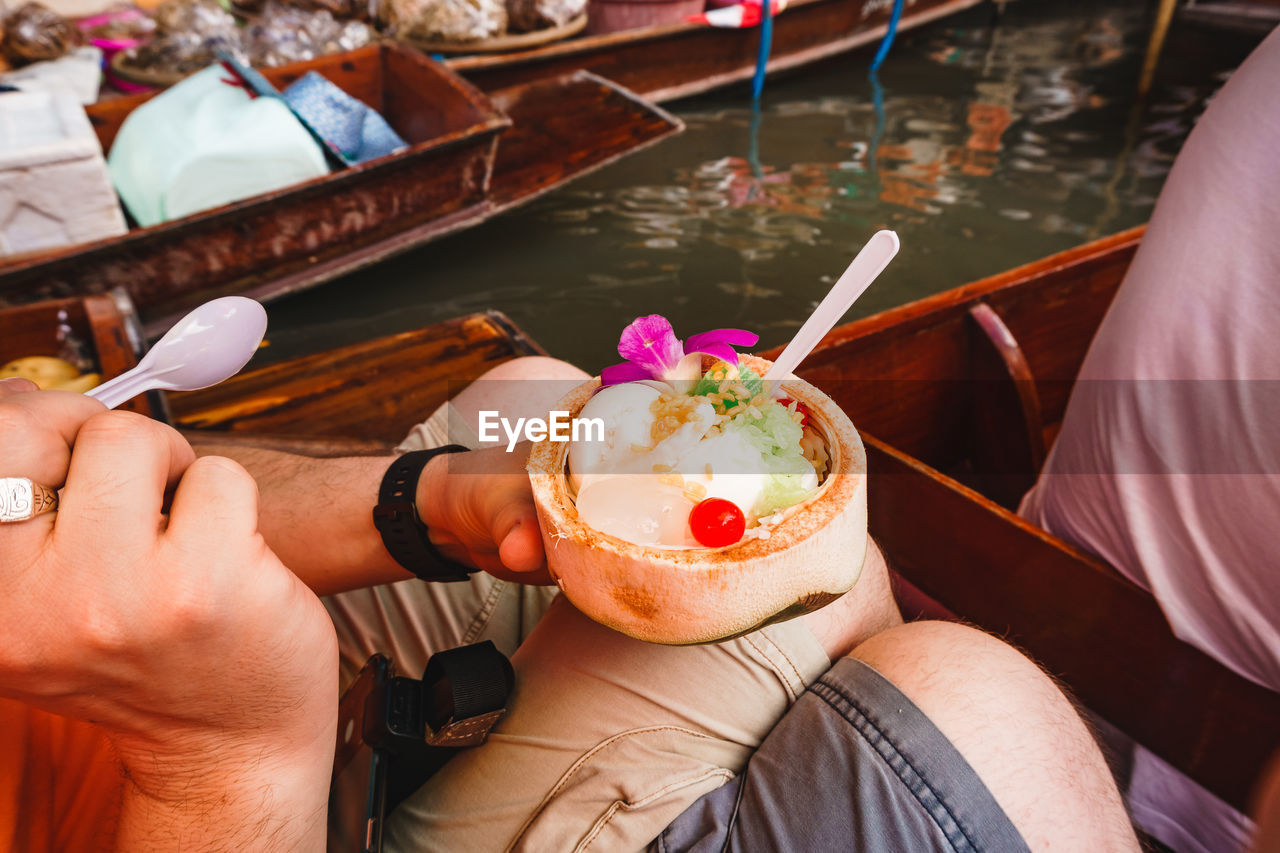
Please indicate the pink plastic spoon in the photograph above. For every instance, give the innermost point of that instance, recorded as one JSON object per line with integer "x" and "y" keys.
{"x": 207, "y": 346}
{"x": 868, "y": 264}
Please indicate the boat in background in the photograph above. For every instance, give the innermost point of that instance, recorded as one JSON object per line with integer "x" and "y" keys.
{"x": 546, "y": 116}
{"x": 666, "y": 61}
{"x": 670, "y": 61}
{"x": 953, "y": 394}
{"x": 471, "y": 156}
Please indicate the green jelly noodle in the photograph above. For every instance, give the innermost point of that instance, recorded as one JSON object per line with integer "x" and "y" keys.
{"x": 777, "y": 436}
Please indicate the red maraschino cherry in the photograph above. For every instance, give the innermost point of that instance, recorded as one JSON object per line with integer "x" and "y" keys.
{"x": 716, "y": 522}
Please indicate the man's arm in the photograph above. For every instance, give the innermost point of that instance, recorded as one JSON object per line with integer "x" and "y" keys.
{"x": 317, "y": 513}
{"x": 222, "y": 795}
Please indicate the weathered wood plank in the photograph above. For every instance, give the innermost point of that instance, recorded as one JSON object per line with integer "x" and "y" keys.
{"x": 376, "y": 390}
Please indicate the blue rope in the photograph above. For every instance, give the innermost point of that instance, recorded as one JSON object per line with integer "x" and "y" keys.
{"x": 887, "y": 41}
{"x": 877, "y": 102}
{"x": 766, "y": 45}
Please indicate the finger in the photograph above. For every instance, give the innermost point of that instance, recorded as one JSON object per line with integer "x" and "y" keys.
{"x": 37, "y": 429}
{"x": 216, "y": 502}
{"x": 120, "y": 467}
{"x": 16, "y": 385}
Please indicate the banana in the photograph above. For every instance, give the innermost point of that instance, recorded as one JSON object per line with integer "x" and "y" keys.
{"x": 79, "y": 385}
{"x": 43, "y": 370}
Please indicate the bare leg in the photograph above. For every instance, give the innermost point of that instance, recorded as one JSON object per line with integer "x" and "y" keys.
{"x": 520, "y": 388}
{"x": 1014, "y": 727}
{"x": 860, "y": 613}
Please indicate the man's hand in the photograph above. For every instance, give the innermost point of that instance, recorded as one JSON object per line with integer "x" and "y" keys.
{"x": 211, "y": 667}
{"x": 478, "y": 507}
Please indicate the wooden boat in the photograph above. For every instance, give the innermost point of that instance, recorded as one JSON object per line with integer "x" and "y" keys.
{"x": 471, "y": 156}
{"x": 1258, "y": 16}
{"x": 664, "y": 62}
{"x": 677, "y": 60}
{"x": 972, "y": 380}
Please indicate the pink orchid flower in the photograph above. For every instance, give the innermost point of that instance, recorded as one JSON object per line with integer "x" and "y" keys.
{"x": 652, "y": 351}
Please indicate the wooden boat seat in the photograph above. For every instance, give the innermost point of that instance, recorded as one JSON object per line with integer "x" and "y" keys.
{"x": 106, "y": 324}
{"x": 301, "y": 404}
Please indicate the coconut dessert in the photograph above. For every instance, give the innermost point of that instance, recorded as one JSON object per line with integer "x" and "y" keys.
{"x": 706, "y": 503}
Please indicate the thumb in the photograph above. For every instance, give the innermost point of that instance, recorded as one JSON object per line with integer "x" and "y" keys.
{"x": 515, "y": 529}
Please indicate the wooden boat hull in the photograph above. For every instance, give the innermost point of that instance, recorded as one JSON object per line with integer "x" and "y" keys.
{"x": 673, "y": 61}
{"x": 277, "y": 243}
{"x": 974, "y": 382}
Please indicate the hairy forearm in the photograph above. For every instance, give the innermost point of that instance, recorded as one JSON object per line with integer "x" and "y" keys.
{"x": 251, "y": 802}
{"x": 316, "y": 514}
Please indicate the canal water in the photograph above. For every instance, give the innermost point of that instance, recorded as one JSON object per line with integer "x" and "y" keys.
{"x": 988, "y": 140}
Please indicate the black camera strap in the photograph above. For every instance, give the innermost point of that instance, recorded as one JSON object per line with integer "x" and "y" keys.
{"x": 467, "y": 690}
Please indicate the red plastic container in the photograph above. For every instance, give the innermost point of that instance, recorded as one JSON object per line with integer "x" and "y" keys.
{"x": 111, "y": 46}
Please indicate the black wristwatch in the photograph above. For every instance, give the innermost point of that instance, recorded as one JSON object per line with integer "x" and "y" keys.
{"x": 396, "y": 516}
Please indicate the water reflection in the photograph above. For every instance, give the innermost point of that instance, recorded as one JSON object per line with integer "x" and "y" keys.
{"x": 984, "y": 146}
{"x": 1019, "y": 140}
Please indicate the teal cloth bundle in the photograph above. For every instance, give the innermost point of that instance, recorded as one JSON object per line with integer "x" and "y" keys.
{"x": 206, "y": 142}
{"x": 225, "y": 134}
{"x": 346, "y": 126}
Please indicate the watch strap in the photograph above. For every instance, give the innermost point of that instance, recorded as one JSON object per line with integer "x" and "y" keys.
{"x": 398, "y": 521}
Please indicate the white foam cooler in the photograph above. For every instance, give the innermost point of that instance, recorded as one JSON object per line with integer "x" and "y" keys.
{"x": 54, "y": 189}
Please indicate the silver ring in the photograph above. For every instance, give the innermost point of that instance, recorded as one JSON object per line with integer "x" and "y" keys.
{"x": 21, "y": 499}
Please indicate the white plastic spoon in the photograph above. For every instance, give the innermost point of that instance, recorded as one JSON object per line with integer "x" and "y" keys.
{"x": 205, "y": 347}
{"x": 868, "y": 264}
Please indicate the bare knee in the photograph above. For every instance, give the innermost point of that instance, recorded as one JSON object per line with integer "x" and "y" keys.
{"x": 527, "y": 387}
{"x": 1014, "y": 727}
{"x": 536, "y": 367}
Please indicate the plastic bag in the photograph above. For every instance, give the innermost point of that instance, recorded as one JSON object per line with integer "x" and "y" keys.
{"x": 35, "y": 33}
{"x": 288, "y": 34}
{"x": 447, "y": 20}
{"x": 189, "y": 35}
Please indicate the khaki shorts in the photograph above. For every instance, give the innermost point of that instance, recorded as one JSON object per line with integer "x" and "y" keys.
{"x": 607, "y": 739}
